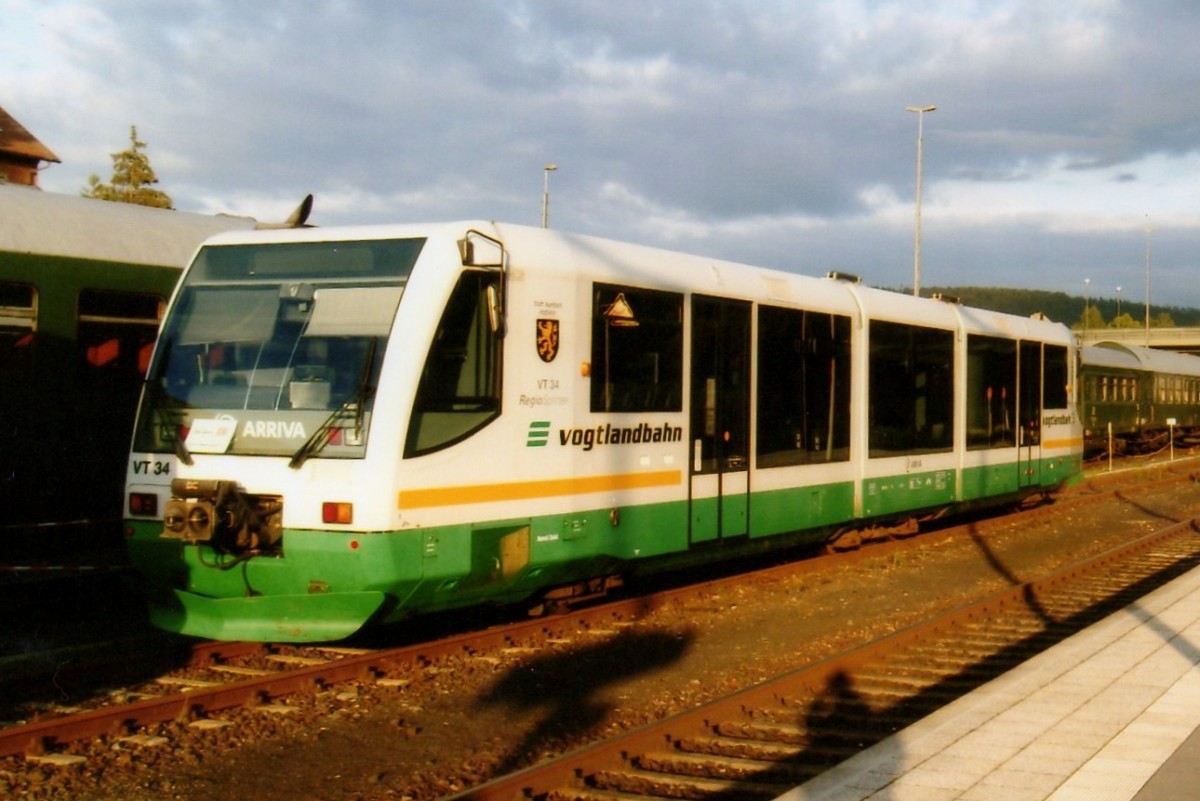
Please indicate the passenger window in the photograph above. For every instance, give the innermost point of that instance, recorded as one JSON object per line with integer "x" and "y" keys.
{"x": 911, "y": 390}
{"x": 803, "y": 387}
{"x": 116, "y": 331}
{"x": 637, "y": 350}
{"x": 18, "y": 323}
{"x": 1054, "y": 394}
{"x": 991, "y": 392}
{"x": 459, "y": 391}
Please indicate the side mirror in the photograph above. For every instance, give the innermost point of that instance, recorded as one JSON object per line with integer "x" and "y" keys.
{"x": 494, "y": 312}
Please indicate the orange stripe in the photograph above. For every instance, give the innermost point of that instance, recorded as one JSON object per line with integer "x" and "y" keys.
{"x": 1075, "y": 443}
{"x": 525, "y": 490}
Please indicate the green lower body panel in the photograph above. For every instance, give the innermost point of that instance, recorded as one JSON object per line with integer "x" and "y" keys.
{"x": 290, "y": 618}
{"x": 325, "y": 585}
{"x": 990, "y": 481}
{"x": 801, "y": 508}
{"x": 891, "y": 495}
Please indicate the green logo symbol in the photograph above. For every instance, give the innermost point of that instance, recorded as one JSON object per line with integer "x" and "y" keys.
{"x": 539, "y": 434}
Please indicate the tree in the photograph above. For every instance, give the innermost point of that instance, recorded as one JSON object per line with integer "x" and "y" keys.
{"x": 1125, "y": 320}
{"x": 1091, "y": 318}
{"x": 131, "y": 179}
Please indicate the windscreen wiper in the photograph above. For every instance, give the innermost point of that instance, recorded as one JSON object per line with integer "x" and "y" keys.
{"x": 356, "y": 403}
{"x": 167, "y": 408}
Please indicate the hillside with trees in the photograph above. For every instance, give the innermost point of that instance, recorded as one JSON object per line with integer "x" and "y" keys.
{"x": 1069, "y": 309}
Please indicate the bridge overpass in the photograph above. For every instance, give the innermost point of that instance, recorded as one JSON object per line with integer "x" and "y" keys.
{"x": 1184, "y": 340}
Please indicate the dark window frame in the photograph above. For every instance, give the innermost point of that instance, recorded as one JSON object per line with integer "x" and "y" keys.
{"x": 637, "y": 350}
{"x": 910, "y": 389}
{"x": 803, "y": 413}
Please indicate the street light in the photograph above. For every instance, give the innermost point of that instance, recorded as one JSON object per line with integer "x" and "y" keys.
{"x": 549, "y": 168}
{"x": 1147, "y": 231}
{"x": 1087, "y": 282}
{"x": 1118, "y": 301}
{"x": 920, "y": 112}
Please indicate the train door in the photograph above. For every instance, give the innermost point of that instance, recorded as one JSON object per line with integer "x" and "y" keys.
{"x": 720, "y": 419}
{"x": 1029, "y": 410}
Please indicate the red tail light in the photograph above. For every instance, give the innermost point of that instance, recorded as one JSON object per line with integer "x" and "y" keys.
{"x": 143, "y": 504}
{"x": 337, "y": 512}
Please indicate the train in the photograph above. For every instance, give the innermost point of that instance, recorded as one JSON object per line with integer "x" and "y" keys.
{"x": 346, "y": 427}
{"x": 1138, "y": 399}
{"x": 83, "y": 287}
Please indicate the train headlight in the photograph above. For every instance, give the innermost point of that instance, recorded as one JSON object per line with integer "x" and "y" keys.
{"x": 199, "y": 522}
{"x": 188, "y": 519}
{"x": 175, "y": 518}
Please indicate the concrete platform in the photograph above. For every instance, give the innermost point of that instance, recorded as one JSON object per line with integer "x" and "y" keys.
{"x": 1110, "y": 714}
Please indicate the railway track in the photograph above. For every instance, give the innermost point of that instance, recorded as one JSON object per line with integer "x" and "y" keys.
{"x": 224, "y": 676}
{"x": 764, "y": 740}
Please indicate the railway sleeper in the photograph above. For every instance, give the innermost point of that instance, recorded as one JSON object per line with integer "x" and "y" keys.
{"x": 590, "y": 794}
{"x": 739, "y": 769}
{"x": 937, "y": 685}
{"x": 956, "y": 652}
{"x": 788, "y": 733}
{"x": 883, "y": 696}
{"x": 984, "y": 638}
{"x": 764, "y": 751}
{"x": 655, "y": 784}
{"x": 833, "y": 728}
{"x": 900, "y": 678}
{"x": 834, "y": 734}
{"x": 814, "y": 753}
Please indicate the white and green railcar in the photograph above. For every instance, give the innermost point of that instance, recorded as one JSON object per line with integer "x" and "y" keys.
{"x": 351, "y": 426}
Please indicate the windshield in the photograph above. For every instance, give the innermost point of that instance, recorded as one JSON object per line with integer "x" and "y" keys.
{"x": 275, "y": 349}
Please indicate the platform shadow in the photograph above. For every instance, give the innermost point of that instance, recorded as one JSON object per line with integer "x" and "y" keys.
{"x": 840, "y": 722}
{"x": 571, "y": 685}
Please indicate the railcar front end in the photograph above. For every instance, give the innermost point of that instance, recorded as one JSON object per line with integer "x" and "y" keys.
{"x": 262, "y": 479}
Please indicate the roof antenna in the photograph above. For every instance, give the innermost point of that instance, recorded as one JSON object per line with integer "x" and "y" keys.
{"x": 297, "y": 219}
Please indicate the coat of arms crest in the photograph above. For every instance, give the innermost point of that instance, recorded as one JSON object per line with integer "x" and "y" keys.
{"x": 547, "y": 339}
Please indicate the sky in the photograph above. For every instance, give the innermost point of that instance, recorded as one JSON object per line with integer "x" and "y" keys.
{"x": 1064, "y": 149}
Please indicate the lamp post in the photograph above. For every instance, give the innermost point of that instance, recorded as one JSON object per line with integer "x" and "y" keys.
{"x": 1118, "y": 301}
{"x": 1087, "y": 283}
{"x": 920, "y": 112}
{"x": 549, "y": 168}
{"x": 1147, "y": 231}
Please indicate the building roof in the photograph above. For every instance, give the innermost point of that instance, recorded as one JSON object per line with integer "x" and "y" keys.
{"x": 16, "y": 141}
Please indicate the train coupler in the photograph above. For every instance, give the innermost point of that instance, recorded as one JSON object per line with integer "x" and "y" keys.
{"x": 223, "y": 515}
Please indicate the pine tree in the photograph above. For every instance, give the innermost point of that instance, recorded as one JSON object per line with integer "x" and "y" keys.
{"x": 131, "y": 179}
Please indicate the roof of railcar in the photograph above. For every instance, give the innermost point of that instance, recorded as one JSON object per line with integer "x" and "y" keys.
{"x": 653, "y": 266}
{"x": 45, "y": 223}
{"x": 1118, "y": 354}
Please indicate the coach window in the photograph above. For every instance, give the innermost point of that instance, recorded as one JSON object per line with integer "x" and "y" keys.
{"x": 18, "y": 325}
{"x": 18, "y": 315}
{"x": 911, "y": 389}
{"x": 116, "y": 331}
{"x": 637, "y": 350}
{"x": 991, "y": 392}
{"x": 459, "y": 392}
{"x": 803, "y": 387}
{"x": 1057, "y": 377}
